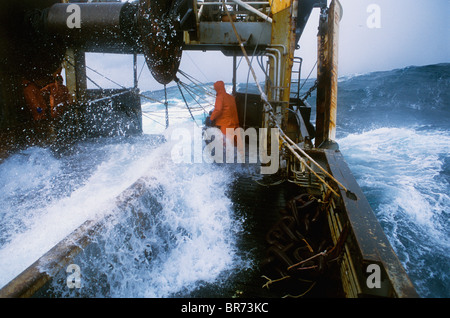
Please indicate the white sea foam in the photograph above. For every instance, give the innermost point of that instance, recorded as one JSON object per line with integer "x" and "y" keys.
{"x": 154, "y": 113}
{"x": 49, "y": 222}
{"x": 190, "y": 237}
{"x": 400, "y": 171}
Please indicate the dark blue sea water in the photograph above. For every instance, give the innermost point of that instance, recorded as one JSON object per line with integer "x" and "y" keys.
{"x": 394, "y": 131}
{"x": 393, "y": 128}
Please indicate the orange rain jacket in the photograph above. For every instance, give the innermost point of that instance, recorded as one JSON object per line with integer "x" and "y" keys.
{"x": 225, "y": 112}
{"x": 59, "y": 98}
{"x": 54, "y": 96}
{"x": 35, "y": 101}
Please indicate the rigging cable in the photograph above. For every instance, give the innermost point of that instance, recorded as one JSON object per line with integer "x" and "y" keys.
{"x": 117, "y": 94}
{"x": 197, "y": 67}
{"x": 166, "y": 104}
{"x": 121, "y": 86}
{"x": 182, "y": 95}
{"x": 187, "y": 88}
{"x": 126, "y": 90}
{"x": 105, "y": 77}
{"x": 112, "y": 81}
{"x": 147, "y": 116}
{"x": 197, "y": 83}
{"x": 311, "y": 89}
{"x": 140, "y": 73}
{"x": 304, "y": 82}
{"x": 73, "y": 65}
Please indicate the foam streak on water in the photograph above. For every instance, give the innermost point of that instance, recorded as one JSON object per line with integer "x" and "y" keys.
{"x": 178, "y": 232}
{"x": 403, "y": 172}
{"x": 45, "y": 198}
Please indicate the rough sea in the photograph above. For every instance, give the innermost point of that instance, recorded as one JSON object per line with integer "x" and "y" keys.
{"x": 181, "y": 232}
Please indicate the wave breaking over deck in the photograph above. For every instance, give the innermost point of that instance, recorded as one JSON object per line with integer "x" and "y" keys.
{"x": 179, "y": 230}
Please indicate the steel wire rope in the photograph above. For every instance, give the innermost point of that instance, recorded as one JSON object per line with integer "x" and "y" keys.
{"x": 151, "y": 99}
{"x": 166, "y": 104}
{"x": 145, "y": 113}
{"x": 197, "y": 68}
{"x": 163, "y": 116}
{"x": 197, "y": 88}
{"x": 112, "y": 81}
{"x": 182, "y": 95}
{"x": 147, "y": 116}
{"x": 98, "y": 86}
{"x": 93, "y": 82}
{"x": 304, "y": 82}
{"x": 196, "y": 83}
{"x": 308, "y": 93}
{"x": 189, "y": 91}
{"x": 140, "y": 73}
{"x": 188, "y": 88}
{"x": 123, "y": 87}
{"x": 156, "y": 112}
{"x": 105, "y": 77}
{"x": 198, "y": 91}
{"x": 108, "y": 97}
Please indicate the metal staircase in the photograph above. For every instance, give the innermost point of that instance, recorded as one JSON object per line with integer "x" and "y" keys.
{"x": 295, "y": 80}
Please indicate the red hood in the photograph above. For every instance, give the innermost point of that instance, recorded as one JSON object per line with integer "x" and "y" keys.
{"x": 219, "y": 86}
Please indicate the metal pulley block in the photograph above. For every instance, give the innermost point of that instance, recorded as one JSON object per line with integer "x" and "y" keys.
{"x": 161, "y": 38}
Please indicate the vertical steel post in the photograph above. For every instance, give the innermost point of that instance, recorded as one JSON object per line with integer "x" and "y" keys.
{"x": 135, "y": 75}
{"x": 234, "y": 72}
{"x": 75, "y": 68}
{"x": 327, "y": 74}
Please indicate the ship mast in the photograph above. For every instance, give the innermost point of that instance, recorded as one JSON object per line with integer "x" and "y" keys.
{"x": 327, "y": 75}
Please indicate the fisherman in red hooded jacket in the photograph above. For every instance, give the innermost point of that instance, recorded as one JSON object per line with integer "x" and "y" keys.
{"x": 225, "y": 113}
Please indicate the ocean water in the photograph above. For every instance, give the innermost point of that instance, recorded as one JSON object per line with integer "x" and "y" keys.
{"x": 182, "y": 230}
{"x": 394, "y": 131}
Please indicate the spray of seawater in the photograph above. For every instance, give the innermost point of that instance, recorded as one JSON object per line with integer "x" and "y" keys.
{"x": 402, "y": 172}
{"x": 176, "y": 231}
{"x": 47, "y": 195}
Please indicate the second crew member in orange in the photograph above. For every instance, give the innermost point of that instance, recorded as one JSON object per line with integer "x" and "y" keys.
{"x": 58, "y": 96}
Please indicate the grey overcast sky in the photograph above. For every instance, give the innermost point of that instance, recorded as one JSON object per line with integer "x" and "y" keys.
{"x": 374, "y": 35}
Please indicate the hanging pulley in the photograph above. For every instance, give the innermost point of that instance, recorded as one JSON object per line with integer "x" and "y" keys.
{"x": 161, "y": 37}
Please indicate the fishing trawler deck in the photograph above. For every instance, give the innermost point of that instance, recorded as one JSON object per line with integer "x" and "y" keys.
{"x": 311, "y": 229}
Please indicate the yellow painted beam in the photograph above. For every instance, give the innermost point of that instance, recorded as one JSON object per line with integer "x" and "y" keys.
{"x": 279, "y": 5}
